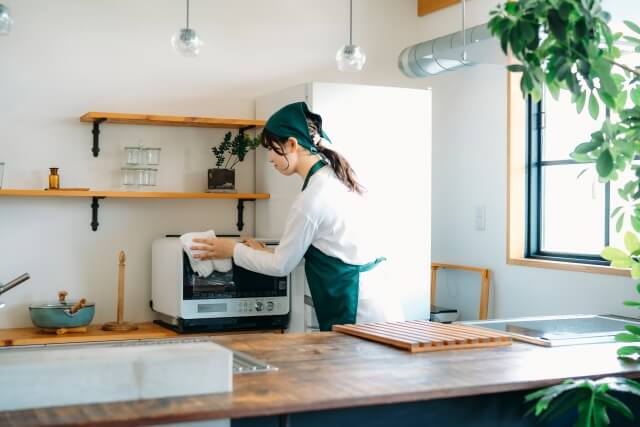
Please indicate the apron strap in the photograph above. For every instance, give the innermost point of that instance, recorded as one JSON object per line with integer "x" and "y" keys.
{"x": 370, "y": 266}
{"x": 315, "y": 168}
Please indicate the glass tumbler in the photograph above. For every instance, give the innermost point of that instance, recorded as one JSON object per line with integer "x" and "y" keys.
{"x": 149, "y": 176}
{"x": 151, "y": 156}
{"x": 133, "y": 155}
{"x": 130, "y": 176}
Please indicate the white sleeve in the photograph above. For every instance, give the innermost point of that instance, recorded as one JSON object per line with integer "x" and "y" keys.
{"x": 298, "y": 234}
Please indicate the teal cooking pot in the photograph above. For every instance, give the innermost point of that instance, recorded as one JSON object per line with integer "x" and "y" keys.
{"x": 63, "y": 314}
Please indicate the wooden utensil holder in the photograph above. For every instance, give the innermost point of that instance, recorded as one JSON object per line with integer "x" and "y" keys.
{"x": 120, "y": 325}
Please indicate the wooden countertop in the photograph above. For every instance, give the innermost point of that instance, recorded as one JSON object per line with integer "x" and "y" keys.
{"x": 148, "y": 330}
{"x": 328, "y": 370}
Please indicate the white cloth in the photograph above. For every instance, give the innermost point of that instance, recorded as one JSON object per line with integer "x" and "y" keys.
{"x": 335, "y": 220}
{"x": 204, "y": 268}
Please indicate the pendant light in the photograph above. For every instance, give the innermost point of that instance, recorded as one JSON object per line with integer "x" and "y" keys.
{"x": 351, "y": 57}
{"x": 185, "y": 41}
{"x": 5, "y": 20}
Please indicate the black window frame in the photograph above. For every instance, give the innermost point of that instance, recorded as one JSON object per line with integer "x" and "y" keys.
{"x": 533, "y": 180}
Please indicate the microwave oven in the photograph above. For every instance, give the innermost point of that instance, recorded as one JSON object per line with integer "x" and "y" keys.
{"x": 236, "y": 300}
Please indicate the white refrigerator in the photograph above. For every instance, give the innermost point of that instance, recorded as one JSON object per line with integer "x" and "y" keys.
{"x": 385, "y": 133}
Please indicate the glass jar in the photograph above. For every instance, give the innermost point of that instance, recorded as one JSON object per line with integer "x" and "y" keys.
{"x": 133, "y": 155}
{"x": 1, "y": 173}
{"x": 149, "y": 176}
{"x": 130, "y": 176}
{"x": 151, "y": 155}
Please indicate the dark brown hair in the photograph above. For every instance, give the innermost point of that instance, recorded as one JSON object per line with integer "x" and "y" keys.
{"x": 338, "y": 163}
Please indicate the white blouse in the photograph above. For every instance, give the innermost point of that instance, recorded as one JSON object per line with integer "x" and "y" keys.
{"x": 326, "y": 215}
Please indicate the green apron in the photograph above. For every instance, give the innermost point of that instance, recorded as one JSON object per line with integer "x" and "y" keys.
{"x": 334, "y": 284}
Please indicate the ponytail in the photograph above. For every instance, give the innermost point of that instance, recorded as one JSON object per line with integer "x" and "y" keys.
{"x": 338, "y": 163}
{"x": 341, "y": 168}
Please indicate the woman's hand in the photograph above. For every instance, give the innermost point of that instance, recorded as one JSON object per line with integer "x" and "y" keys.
{"x": 214, "y": 248}
{"x": 253, "y": 244}
{"x": 259, "y": 246}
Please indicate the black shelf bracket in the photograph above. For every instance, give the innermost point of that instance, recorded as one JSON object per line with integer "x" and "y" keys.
{"x": 242, "y": 130}
{"x": 96, "y": 137}
{"x": 240, "y": 223}
{"x": 94, "y": 213}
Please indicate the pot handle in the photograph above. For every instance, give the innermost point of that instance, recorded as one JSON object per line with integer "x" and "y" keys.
{"x": 61, "y": 296}
{"x": 77, "y": 306}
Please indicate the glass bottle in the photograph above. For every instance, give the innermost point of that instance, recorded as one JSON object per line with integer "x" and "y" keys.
{"x": 54, "y": 179}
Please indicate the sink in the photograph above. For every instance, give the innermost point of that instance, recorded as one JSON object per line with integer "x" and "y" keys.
{"x": 71, "y": 374}
{"x": 551, "y": 331}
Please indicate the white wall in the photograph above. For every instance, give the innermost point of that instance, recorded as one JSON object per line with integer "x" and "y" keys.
{"x": 469, "y": 170}
{"x": 65, "y": 58}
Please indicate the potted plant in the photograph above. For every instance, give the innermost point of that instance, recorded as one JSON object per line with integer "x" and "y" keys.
{"x": 228, "y": 154}
{"x": 568, "y": 45}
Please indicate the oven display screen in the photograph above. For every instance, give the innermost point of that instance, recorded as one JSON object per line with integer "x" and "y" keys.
{"x": 237, "y": 283}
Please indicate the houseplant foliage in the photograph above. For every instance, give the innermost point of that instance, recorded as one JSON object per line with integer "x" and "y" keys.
{"x": 591, "y": 397}
{"x": 568, "y": 45}
{"x": 232, "y": 151}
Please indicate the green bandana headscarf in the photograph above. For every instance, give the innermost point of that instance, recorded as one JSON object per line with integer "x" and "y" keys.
{"x": 291, "y": 121}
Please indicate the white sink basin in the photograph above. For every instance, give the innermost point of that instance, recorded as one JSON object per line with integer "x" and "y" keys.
{"x": 93, "y": 373}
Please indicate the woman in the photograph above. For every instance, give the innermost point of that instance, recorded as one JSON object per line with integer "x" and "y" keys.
{"x": 326, "y": 225}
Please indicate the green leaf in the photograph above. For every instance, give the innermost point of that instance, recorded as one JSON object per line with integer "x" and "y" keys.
{"x": 604, "y": 164}
{"x": 635, "y": 270}
{"x": 594, "y": 107}
{"x": 628, "y": 350}
{"x": 619, "y": 224}
{"x": 633, "y": 40}
{"x": 615, "y": 211}
{"x": 587, "y": 147}
{"x": 608, "y": 100}
{"x": 625, "y": 337}
{"x": 632, "y": 303}
{"x": 633, "y": 329}
{"x": 528, "y": 31}
{"x": 624, "y": 385}
{"x": 632, "y": 26}
{"x": 635, "y": 223}
{"x": 557, "y": 26}
{"x": 600, "y": 417}
{"x": 516, "y": 68}
{"x": 580, "y": 101}
{"x": 635, "y": 96}
{"x": 631, "y": 241}
{"x": 612, "y": 254}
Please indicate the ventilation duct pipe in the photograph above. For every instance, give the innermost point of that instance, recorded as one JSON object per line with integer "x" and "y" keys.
{"x": 447, "y": 53}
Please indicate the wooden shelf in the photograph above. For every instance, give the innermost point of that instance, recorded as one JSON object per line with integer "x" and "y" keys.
{"x": 152, "y": 119}
{"x": 96, "y": 195}
{"x": 131, "y": 194}
{"x": 155, "y": 120}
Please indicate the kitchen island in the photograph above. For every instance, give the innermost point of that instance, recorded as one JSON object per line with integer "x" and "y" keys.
{"x": 332, "y": 379}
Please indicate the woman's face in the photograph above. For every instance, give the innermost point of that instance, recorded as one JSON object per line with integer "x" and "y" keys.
{"x": 286, "y": 164}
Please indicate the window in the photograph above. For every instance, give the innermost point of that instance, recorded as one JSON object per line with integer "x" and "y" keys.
{"x": 517, "y": 196}
{"x": 568, "y": 209}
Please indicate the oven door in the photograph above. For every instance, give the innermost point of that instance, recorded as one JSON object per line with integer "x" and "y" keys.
{"x": 239, "y": 292}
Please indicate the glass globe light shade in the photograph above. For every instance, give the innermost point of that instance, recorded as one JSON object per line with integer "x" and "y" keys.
{"x": 5, "y": 20}
{"x": 351, "y": 57}
{"x": 186, "y": 42}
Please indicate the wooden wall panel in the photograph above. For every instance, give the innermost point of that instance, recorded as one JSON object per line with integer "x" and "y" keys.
{"x": 428, "y": 6}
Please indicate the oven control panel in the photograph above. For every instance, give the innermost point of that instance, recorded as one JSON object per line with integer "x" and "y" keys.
{"x": 258, "y": 305}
